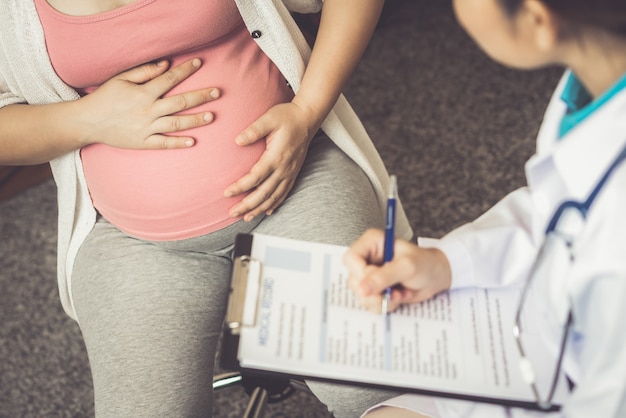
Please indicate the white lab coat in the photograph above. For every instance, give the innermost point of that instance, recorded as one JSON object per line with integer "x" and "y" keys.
{"x": 499, "y": 247}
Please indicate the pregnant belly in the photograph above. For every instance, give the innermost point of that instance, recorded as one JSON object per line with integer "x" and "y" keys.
{"x": 167, "y": 194}
{"x": 176, "y": 194}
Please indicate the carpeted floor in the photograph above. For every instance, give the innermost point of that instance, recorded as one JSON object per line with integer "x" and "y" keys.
{"x": 453, "y": 126}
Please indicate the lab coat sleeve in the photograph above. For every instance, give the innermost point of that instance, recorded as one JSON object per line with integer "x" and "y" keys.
{"x": 494, "y": 250}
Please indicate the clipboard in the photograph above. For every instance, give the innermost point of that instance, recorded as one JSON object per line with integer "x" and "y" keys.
{"x": 243, "y": 266}
{"x": 287, "y": 296}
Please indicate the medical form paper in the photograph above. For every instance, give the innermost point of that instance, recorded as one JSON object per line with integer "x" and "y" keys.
{"x": 308, "y": 323}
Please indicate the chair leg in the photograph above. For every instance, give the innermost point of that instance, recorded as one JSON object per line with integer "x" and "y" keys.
{"x": 258, "y": 395}
{"x": 256, "y": 404}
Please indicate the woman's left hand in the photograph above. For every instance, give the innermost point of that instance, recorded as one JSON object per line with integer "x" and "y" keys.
{"x": 288, "y": 134}
{"x": 345, "y": 29}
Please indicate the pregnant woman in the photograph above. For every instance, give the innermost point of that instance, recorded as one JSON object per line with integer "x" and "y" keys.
{"x": 171, "y": 126}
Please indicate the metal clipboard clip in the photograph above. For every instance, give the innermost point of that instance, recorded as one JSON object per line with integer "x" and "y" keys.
{"x": 244, "y": 293}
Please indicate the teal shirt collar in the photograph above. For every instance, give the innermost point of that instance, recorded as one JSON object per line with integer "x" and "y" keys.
{"x": 580, "y": 104}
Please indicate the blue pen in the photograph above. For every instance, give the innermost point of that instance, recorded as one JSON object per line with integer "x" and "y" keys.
{"x": 390, "y": 227}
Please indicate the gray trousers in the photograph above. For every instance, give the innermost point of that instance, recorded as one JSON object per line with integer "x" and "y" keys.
{"x": 151, "y": 312}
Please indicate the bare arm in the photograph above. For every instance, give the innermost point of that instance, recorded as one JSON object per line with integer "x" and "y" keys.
{"x": 35, "y": 134}
{"x": 126, "y": 111}
{"x": 345, "y": 30}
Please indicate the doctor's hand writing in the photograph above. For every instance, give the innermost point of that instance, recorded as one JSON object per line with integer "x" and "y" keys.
{"x": 415, "y": 273}
{"x": 288, "y": 130}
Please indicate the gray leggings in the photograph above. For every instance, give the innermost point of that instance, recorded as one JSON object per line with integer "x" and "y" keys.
{"x": 151, "y": 312}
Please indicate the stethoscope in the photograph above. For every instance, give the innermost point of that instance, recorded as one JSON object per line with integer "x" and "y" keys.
{"x": 553, "y": 237}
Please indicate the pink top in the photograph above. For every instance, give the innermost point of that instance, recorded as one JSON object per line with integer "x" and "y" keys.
{"x": 169, "y": 194}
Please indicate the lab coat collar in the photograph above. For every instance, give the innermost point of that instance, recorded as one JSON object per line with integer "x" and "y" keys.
{"x": 582, "y": 156}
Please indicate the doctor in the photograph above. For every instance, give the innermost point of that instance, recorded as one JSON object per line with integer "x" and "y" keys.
{"x": 563, "y": 236}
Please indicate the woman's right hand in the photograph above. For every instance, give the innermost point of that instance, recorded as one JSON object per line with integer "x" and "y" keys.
{"x": 129, "y": 110}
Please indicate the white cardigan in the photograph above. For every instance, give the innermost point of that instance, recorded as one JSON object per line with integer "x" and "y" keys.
{"x": 27, "y": 76}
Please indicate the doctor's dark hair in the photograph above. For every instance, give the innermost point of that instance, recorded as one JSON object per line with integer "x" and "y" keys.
{"x": 609, "y": 15}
